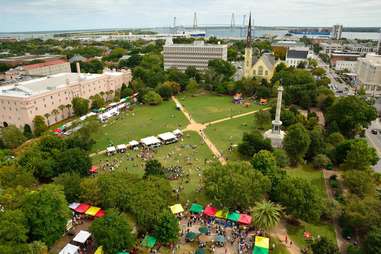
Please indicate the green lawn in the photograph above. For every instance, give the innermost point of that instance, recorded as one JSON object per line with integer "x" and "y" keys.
{"x": 205, "y": 107}
{"x": 190, "y": 153}
{"x": 320, "y": 229}
{"x": 228, "y": 133}
{"x": 141, "y": 122}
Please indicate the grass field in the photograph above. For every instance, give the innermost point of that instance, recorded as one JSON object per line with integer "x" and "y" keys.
{"x": 206, "y": 107}
{"x": 141, "y": 122}
{"x": 327, "y": 230}
{"x": 191, "y": 154}
{"x": 228, "y": 133}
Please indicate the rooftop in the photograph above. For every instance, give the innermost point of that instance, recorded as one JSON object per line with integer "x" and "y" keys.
{"x": 29, "y": 58}
{"x": 297, "y": 54}
{"x": 49, "y": 83}
{"x": 39, "y": 65}
{"x": 195, "y": 44}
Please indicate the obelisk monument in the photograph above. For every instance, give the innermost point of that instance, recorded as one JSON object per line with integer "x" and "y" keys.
{"x": 276, "y": 135}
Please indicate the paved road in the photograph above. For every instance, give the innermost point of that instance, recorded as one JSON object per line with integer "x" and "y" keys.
{"x": 375, "y": 141}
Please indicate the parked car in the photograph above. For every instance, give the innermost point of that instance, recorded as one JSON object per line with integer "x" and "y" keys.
{"x": 375, "y": 132}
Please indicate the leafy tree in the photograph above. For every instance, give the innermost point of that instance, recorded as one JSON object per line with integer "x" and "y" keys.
{"x": 153, "y": 168}
{"x": 266, "y": 214}
{"x": 281, "y": 157}
{"x": 361, "y": 214}
{"x": 372, "y": 242}
{"x": 14, "y": 228}
{"x": 243, "y": 186}
{"x": 318, "y": 72}
{"x": 193, "y": 73}
{"x": 12, "y": 176}
{"x": 167, "y": 89}
{"x": 335, "y": 138}
{"x": 73, "y": 160}
{"x": 80, "y": 106}
{"x": 39, "y": 125}
{"x": 39, "y": 163}
{"x": 222, "y": 67}
{"x": 317, "y": 142}
{"x": 71, "y": 184}
{"x": 232, "y": 54}
{"x": 350, "y": 114}
{"x": 264, "y": 161}
{"x": 192, "y": 86}
{"x": 324, "y": 246}
{"x": 97, "y": 102}
{"x": 12, "y": 136}
{"x": 113, "y": 232}
{"x": 47, "y": 213}
{"x": 296, "y": 143}
{"x": 320, "y": 161}
{"x": 4, "y": 67}
{"x": 167, "y": 228}
{"x": 253, "y": 143}
{"x": 177, "y": 76}
{"x": 300, "y": 198}
{"x": 27, "y": 131}
{"x": 263, "y": 119}
{"x": 360, "y": 183}
{"x": 360, "y": 156}
{"x": 133, "y": 61}
{"x": 94, "y": 66}
{"x": 126, "y": 91}
{"x": 152, "y": 98}
{"x": 263, "y": 91}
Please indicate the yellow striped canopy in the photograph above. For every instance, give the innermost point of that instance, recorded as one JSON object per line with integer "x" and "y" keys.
{"x": 262, "y": 242}
{"x": 92, "y": 211}
{"x": 175, "y": 209}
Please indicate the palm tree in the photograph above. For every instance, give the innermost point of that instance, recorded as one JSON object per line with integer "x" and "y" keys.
{"x": 266, "y": 214}
{"x": 62, "y": 108}
{"x": 102, "y": 94}
{"x": 55, "y": 112}
{"x": 47, "y": 115}
{"x": 68, "y": 107}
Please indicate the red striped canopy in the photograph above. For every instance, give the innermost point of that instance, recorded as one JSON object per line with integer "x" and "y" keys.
{"x": 210, "y": 211}
{"x": 244, "y": 219}
{"x": 82, "y": 208}
{"x": 100, "y": 214}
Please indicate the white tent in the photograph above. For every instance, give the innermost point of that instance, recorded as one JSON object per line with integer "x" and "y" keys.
{"x": 151, "y": 141}
{"x": 168, "y": 137}
{"x": 133, "y": 144}
{"x": 111, "y": 150}
{"x": 82, "y": 236}
{"x": 178, "y": 133}
{"x": 70, "y": 249}
{"x": 121, "y": 148}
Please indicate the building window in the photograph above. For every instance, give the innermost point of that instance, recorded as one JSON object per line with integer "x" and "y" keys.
{"x": 260, "y": 71}
{"x": 266, "y": 73}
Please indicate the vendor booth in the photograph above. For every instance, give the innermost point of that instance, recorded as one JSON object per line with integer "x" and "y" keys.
{"x": 261, "y": 245}
{"x": 167, "y": 138}
{"x": 151, "y": 142}
{"x": 111, "y": 150}
{"x": 176, "y": 209}
{"x": 122, "y": 148}
{"x": 178, "y": 133}
{"x": 70, "y": 249}
{"x": 134, "y": 145}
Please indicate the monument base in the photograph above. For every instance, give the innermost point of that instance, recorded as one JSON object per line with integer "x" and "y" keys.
{"x": 276, "y": 139}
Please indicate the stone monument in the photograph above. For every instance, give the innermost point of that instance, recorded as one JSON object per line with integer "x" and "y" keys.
{"x": 276, "y": 135}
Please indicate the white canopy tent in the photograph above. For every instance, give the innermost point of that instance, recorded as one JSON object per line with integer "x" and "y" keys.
{"x": 168, "y": 137}
{"x": 178, "y": 133}
{"x": 111, "y": 150}
{"x": 121, "y": 148}
{"x": 70, "y": 249}
{"x": 150, "y": 141}
{"x": 82, "y": 236}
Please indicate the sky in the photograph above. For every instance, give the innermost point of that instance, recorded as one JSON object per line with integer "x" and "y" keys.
{"x": 44, "y": 15}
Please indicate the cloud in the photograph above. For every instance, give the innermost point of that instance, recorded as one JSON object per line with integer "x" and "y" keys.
{"x": 32, "y": 15}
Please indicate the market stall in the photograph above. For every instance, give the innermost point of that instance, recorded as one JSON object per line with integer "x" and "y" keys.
{"x": 134, "y": 145}
{"x": 196, "y": 208}
{"x": 122, "y": 148}
{"x": 210, "y": 211}
{"x": 111, "y": 150}
{"x": 167, "y": 138}
{"x": 70, "y": 249}
{"x": 244, "y": 219}
{"x": 261, "y": 245}
{"x": 149, "y": 241}
{"x": 176, "y": 209}
{"x": 151, "y": 142}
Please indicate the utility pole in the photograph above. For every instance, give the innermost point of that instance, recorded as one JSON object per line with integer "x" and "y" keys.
{"x": 243, "y": 25}
{"x": 195, "y": 20}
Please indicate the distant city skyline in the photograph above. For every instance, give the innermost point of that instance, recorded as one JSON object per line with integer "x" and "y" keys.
{"x": 44, "y": 15}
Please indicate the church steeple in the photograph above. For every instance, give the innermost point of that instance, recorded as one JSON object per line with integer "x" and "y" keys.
{"x": 248, "y": 38}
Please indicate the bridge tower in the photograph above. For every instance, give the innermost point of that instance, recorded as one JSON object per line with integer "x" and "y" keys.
{"x": 232, "y": 21}
{"x": 195, "y": 20}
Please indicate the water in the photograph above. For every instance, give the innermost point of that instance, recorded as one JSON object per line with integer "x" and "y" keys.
{"x": 221, "y": 32}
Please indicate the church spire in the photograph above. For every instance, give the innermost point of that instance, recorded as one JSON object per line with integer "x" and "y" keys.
{"x": 248, "y": 38}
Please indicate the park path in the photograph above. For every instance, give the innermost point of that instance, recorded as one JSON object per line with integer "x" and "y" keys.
{"x": 199, "y": 128}
{"x": 235, "y": 116}
{"x": 341, "y": 242}
{"x": 280, "y": 232}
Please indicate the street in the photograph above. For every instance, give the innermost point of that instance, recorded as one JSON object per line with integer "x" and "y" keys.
{"x": 375, "y": 141}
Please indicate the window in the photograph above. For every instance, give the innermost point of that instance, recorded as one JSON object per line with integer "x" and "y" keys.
{"x": 260, "y": 71}
{"x": 266, "y": 73}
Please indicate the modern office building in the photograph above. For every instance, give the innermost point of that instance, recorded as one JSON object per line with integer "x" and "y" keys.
{"x": 329, "y": 48}
{"x": 21, "y": 102}
{"x": 360, "y": 48}
{"x": 337, "y": 31}
{"x": 368, "y": 71}
{"x": 344, "y": 60}
{"x": 198, "y": 54}
{"x": 40, "y": 69}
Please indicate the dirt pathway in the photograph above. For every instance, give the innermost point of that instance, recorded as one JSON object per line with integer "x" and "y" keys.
{"x": 341, "y": 242}
{"x": 233, "y": 117}
{"x": 280, "y": 232}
